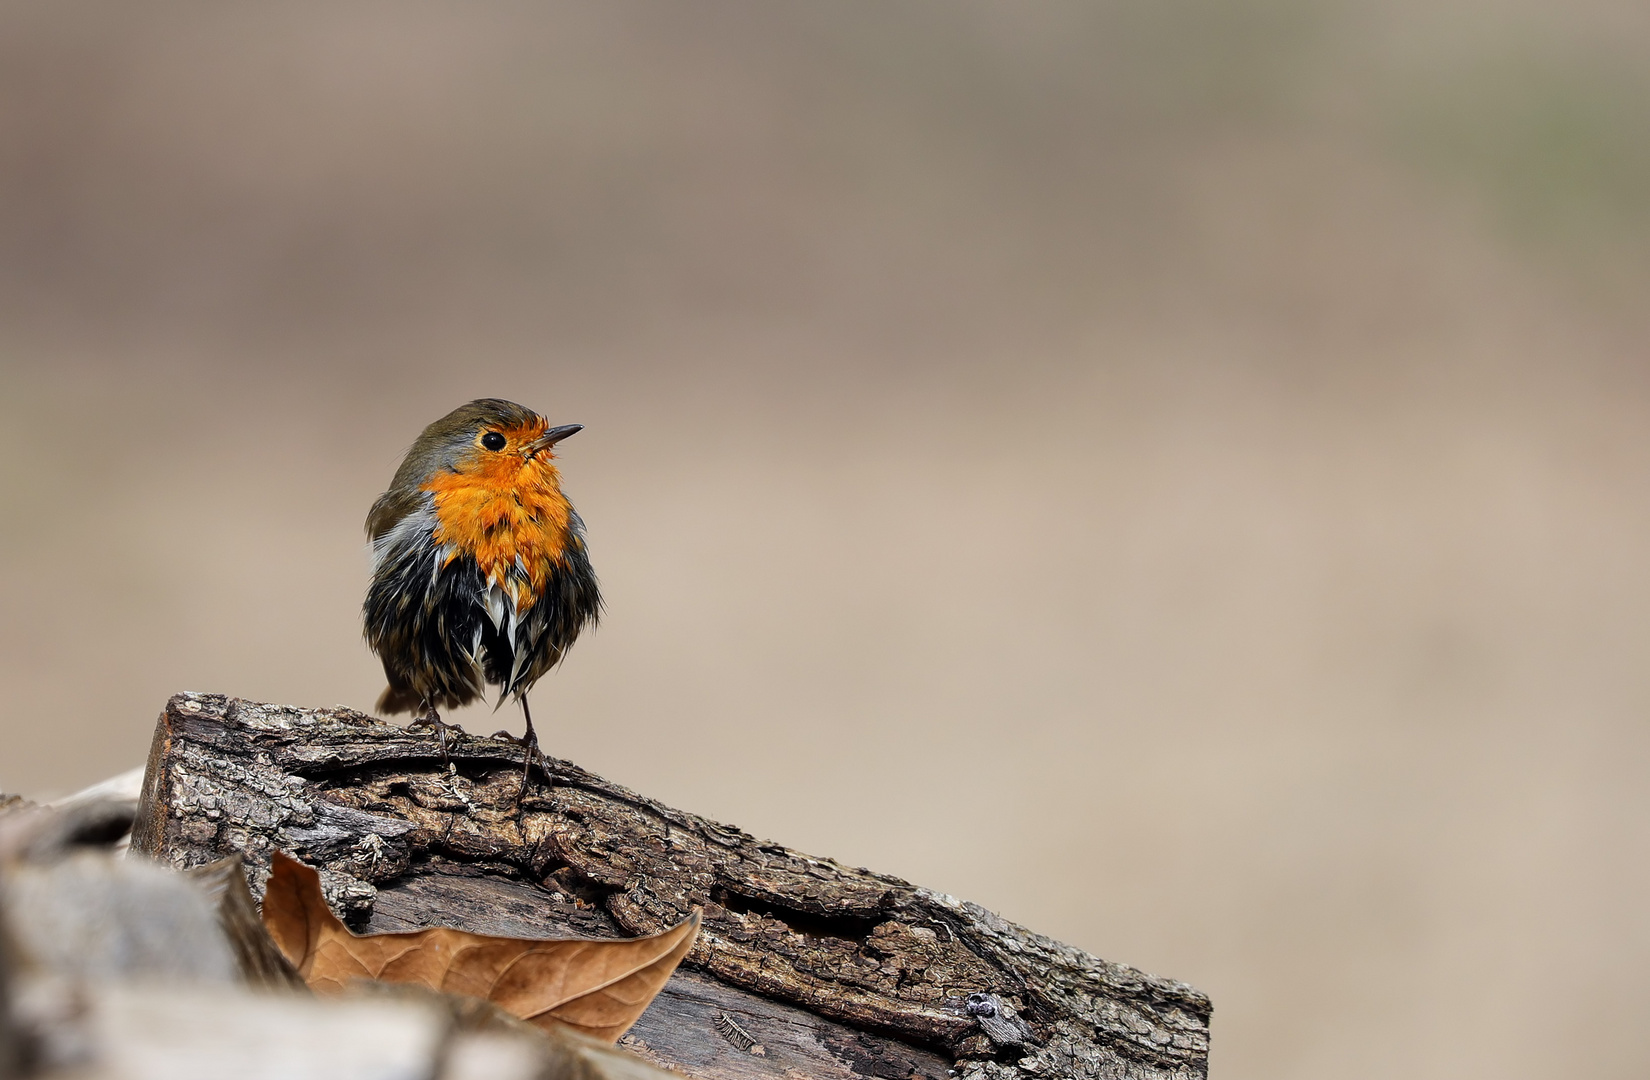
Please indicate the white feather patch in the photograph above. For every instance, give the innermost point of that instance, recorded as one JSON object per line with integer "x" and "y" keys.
{"x": 495, "y": 602}
{"x": 405, "y": 537}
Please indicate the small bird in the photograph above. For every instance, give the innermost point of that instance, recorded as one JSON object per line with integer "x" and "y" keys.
{"x": 480, "y": 573}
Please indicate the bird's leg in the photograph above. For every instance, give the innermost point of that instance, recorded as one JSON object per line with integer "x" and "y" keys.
{"x": 431, "y": 719}
{"x": 530, "y": 742}
{"x": 530, "y": 746}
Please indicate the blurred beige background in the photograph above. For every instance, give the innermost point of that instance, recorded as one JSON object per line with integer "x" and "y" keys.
{"x": 1173, "y": 471}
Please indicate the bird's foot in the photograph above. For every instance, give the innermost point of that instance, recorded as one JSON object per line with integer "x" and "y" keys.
{"x": 442, "y": 730}
{"x": 533, "y": 755}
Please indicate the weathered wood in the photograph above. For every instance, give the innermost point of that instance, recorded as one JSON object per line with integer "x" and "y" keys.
{"x": 126, "y": 970}
{"x": 259, "y": 959}
{"x": 830, "y": 971}
{"x": 681, "y": 1027}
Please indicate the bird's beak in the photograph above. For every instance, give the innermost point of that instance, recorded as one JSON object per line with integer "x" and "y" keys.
{"x": 551, "y": 438}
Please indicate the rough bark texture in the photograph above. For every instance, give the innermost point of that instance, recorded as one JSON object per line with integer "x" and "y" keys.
{"x": 804, "y": 968}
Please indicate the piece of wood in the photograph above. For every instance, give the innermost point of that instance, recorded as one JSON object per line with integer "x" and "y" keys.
{"x": 125, "y": 969}
{"x": 827, "y": 971}
{"x": 680, "y": 1028}
{"x": 597, "y": 986}
{"x": 260, "y": 962}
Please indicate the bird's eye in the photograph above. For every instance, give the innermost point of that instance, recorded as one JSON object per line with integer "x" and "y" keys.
{"x": 493, "y": 441}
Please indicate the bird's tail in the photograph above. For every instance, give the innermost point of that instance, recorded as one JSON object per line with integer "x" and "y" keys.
{"x": 398, "y": 699}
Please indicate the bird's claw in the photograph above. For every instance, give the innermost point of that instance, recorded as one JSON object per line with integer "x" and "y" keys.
{"x": 530, "y": 744}
{"x": 440, "y": 728}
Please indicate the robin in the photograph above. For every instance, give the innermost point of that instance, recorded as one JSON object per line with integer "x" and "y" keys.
{"x": 480, "y": 574}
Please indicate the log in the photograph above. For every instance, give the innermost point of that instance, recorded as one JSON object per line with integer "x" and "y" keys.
{"x": 804, "y": 967}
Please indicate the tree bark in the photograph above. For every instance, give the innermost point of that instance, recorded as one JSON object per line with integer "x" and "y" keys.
{"x": 804, "y": 968}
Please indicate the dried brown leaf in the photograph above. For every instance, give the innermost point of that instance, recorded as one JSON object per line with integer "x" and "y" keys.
{"x": 598, "y": 986}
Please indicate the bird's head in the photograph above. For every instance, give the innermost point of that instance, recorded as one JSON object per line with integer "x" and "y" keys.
{"x": 489, "y": 445}
{"x": 490, "y": 436}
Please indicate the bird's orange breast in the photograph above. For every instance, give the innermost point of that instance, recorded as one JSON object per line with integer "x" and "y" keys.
{"x": 508, "y": 514}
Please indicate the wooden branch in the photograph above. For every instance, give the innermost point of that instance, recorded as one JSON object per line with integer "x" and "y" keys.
{"x": 803, "y": 968}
